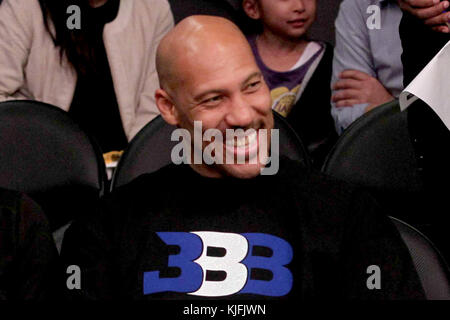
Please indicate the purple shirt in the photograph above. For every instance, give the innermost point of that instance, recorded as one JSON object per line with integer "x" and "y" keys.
{"x": 284, "y": 86}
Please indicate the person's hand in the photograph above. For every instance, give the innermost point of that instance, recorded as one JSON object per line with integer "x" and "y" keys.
{"x": 430, "y": 11}
{"x": 356, "y": 87}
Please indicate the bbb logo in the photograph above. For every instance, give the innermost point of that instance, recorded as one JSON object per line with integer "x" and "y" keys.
{"x": 237, "y": 263}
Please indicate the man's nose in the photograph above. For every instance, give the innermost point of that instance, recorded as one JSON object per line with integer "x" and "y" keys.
{"x": 240, "y": 113}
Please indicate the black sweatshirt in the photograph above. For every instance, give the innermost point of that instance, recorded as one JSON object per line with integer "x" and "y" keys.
{"x": 174, "y": 234}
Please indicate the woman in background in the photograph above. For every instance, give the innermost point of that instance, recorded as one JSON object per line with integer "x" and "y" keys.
{"x": 103, "y": 73}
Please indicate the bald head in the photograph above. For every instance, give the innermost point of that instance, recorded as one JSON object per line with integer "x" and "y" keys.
{"x": 192, "y": 40}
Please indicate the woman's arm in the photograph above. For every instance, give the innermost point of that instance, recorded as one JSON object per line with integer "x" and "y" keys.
{"x": 16, "y": 36}
{"x": 146, "y": 109}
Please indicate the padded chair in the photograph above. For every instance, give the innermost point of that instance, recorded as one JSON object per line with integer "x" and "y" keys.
{"x": 48, "y": 156}
{"x": 150, "y": 149}
{"x": 376, "y": 153}
{"x": 431, "y": 267}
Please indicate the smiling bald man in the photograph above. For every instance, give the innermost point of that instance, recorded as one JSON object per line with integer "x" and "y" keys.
{"x": 225, "y": 231}
{"x": 213, "y": 78}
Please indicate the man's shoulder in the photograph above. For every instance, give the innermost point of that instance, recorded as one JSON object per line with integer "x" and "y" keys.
{"x": 315, "y": 186}
{"x": 329, "y": 206}
{"x": 160, "y": 187}
{"x": 301, "y": 174}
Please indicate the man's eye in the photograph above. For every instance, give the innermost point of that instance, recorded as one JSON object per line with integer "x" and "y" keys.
{"x": 213, "y": 100}
{"x": 254, "y": 85}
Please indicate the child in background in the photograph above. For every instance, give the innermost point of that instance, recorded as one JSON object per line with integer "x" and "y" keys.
{"x": 296, "y": 69}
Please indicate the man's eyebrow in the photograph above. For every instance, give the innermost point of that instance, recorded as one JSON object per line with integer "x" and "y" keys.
{"x": 200, "y": 96}
{"x": 250, "y": 77}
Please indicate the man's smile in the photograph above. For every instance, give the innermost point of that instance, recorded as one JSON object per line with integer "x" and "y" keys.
{"x": 243, "y": 146}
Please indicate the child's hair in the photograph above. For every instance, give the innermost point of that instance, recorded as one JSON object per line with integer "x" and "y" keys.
{"x": 76, "y": 44}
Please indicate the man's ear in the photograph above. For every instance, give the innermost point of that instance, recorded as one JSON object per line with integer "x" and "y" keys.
{"x": 251, "y": 8}
{"x": 166, "y": 107}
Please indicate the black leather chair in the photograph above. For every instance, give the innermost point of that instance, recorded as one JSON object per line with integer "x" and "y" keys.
{"x": 376, "y": 153}
{"x": 432, "y": 269}
{"x": 150, "y": 149}
{"x": 48, "y": 156}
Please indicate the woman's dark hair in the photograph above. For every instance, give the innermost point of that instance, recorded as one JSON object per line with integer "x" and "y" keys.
{"x": 76, "y": 43}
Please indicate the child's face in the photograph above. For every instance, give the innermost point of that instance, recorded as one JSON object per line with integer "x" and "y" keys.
{"x": 286, "y": 18}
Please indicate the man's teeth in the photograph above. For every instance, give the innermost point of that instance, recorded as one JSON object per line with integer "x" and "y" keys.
{"x": 242, "y": 141}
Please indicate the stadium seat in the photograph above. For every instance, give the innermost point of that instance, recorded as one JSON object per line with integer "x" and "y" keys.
{"x": 48, "y": 156}
{"x": 376, "y": 153}
{"x": 150, "y": 149}
{"x": 432, "y": 269}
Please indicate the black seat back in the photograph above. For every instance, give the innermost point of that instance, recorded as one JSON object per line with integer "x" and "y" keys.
{"x": 432, "y": 269}
{"x": 48, "y": 156}
{"x": 376, "y": 153}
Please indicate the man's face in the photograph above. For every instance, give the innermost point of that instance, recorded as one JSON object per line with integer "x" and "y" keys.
{"x": 287, "y": 18}
{"x": 223, "y": 88}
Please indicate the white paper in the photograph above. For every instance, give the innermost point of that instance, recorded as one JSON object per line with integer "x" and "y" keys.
{"x": 432, "y": 86}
